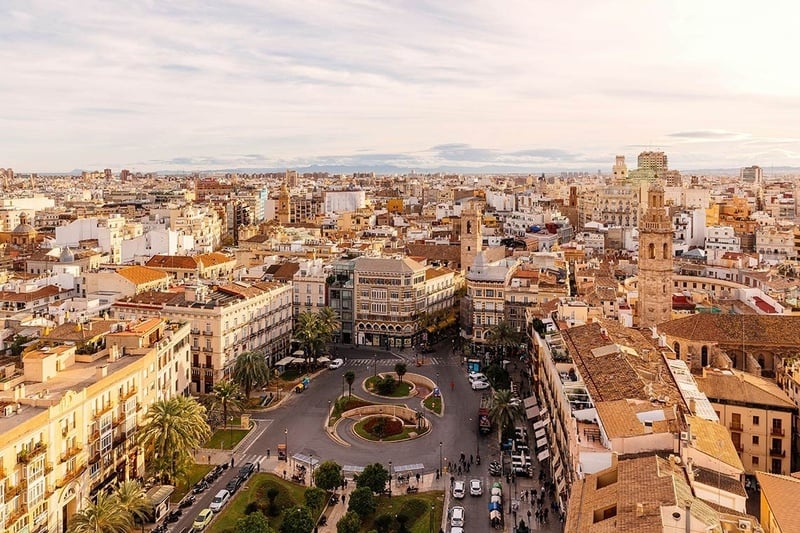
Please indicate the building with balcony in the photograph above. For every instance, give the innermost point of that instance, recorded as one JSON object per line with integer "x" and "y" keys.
{"x": 309, "y": 286}
{"x": 68, "y": 421}
{"x": 341, "y": 298}
{"x": 226, "y": 321}
{"x": 484, "y": 304}
{"x": 758, "y": 414}
{"x": 390, "y": 299}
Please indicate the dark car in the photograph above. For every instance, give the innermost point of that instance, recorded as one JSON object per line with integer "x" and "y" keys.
{"x": 233, "y": 485}
{"x": 246, "y": 470}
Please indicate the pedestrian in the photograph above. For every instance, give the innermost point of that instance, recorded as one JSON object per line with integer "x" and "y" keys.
{"x": 267, "y": 453}
{"x": 231, "y": 462}
{"x": 343, "y": 497}
{"x": 258, "y": 466}
{"x": 470, "y": 459}
{"x": 284, "y": 474}
{"x": 345, "y": 483}
{"x": 452, "y": 481}
{"x": 467, "y": 467}
{"x": 417, "y": 478}
{"x": 459, "y": 470}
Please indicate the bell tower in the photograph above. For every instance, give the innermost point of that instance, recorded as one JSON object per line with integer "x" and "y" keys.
{"x": 655, "y": 261}
{"x": 284, "y": 205}
{"x": 471, "y": 235}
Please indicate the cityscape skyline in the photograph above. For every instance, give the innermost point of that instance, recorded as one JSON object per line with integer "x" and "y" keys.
{"x": 421, "y": 85}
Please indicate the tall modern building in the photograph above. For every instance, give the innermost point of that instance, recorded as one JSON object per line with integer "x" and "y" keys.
{"x": 653, "y": 161}
{"x": 655, "y": 261}
{"x": 752, "y": 174}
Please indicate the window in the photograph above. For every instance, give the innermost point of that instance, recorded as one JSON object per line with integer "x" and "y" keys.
{"x": 755, "y": 421}
{"x": 755, "y": 461}
{"x": 755, "y": 439}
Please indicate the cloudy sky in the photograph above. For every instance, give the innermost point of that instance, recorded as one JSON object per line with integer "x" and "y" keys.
{"x": 530, "y": 85}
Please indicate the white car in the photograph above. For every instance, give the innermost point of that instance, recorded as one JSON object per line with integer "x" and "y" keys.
{"x": 480, "y": 385}
{"x": 336, "y": 363}
{"x": 459, "y": 489}
{"x": 476, "y": 376}
{"x": 457, "y": 517}
{"x": 475, "y": 487}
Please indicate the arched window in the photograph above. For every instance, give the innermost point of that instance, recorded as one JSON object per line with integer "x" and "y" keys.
{"x": 652, "y": 250}
{"x": 677, "y": 349}
{"x": 664, "y": 252}
{"x": 469, "y": 227}
{"x": 704, "y": 356}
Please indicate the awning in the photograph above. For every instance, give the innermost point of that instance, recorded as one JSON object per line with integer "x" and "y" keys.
{"x": 352, "y": 469}
{"x": 532, "y": 412}
{"x": 559, "y": 471}
{"x": 541, "y": 443}
{"x": 544, "y": 411}
{"x": 408, "y": 468}
{"x": 323, "y": 359}
{"x": 307, "y": 459}
{"x": 561, "y": 484}
{"x": 530, "y": 401}
{"x": 543, "y": 455}
{"x": 540, "y": 433}
{"x": 538, "y": 424}
{"x": 158, "y": 494}
{"x": 285, "y": 361}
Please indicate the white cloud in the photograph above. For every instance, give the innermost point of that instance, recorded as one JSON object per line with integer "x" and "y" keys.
{"x": 141, "y": 83}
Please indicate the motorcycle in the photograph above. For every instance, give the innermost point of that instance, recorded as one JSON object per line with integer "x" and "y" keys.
{"x": 199, "y": 487}
{"x": 188, "y": 501}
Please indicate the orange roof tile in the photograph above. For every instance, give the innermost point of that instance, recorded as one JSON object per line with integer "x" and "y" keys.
{"x": 139, "y": 275}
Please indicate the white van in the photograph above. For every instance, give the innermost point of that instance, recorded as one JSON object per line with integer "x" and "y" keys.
{"x": 219, "y": 500}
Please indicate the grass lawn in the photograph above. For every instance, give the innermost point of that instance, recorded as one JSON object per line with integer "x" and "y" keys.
{"x": 403, "y": 435}
{"x": 255, "y": 490}
{"x": 195, "y": 474}
{"x": 345, "y": 403}
{"x": 400, "y": 391}
{"x": 225, "y": 439}
{"x": 434, "y": 403}
{"x": 416, "y": 506}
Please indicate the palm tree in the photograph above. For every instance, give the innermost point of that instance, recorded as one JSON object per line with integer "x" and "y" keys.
{"x": 400, "y": 369}
{"x": 251, "y": 371}
{"x": 171, "y": 430}
{"x": 315, "y": 330}
{"x": 329, "y": 322}
{"x": 349, "y": 377}
{"x": 227, "y": 397}
{"x": 102, "y": 516}
{"x": 502, "y": 335}
{"x": 503, "y": 411}
{"x": 132, "y": 499}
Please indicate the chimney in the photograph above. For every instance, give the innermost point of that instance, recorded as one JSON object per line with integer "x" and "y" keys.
{"x": 639, "y": 509}
{"x": 101, "y": 372}
{"x": 692, "y": 406}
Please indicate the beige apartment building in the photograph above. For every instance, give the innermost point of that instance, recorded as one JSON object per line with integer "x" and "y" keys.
{"x": 226, "y": 321}
{"x": 309, "y": 285}
{"x": 484, "y": 305}
{"x": 68, "y": 421}
{"x": 390, "y": 299}
{"x": 758, "y": 414}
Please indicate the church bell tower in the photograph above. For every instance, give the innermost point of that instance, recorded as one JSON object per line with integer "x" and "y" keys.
{"x": 655, "y": 261}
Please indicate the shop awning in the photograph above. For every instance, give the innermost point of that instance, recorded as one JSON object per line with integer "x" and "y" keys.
{"x": 285, "y": 361}
{"x": 532, "y": 412}
{"x": 530, "y": 401}
{"x": 538, "y": 424}
{"x": 541, "y": 443}
{"x": 540, "y": 433}
{"x": 543, "y": 455}
{"x": 323, "y": 359}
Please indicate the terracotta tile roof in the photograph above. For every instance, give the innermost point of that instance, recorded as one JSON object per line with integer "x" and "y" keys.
{"x": 714, "y": 479}
{"x": 213, "y": 259}
{"x": 781, "y": 493}
{"x": 713, "y": 439}
{"x": 44, "y": 292}
{"x": 286, "y": 271}
{"x": 172, "y": 261}
{"x": 780, "y": 330}
{"x": 139, "y": 275}
{"x": 737, "y": 386}
{"x": 74, "y": 332}
{"x": 619, "y": 418}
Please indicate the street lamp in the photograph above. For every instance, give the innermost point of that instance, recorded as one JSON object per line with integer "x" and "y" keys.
{"x": 375, "y": 365}
{"x": 390, "y": 476}
{"x": 286, "y": 443}
{"x": 431, "y": 528}
{"x": 311, "y": 464}
{"x": 440, "y": 458}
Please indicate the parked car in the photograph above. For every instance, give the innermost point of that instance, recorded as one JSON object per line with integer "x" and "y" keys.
{"x": 476, "y": 376}
{"x": 220, "y": 500}
{"x": 202, "y": 520}
{"x": 233, "y": 485}
{"x": 457, "y": 516}
{"x": 336, "y": 363}
{"x": 459, "y": 489}
{"x": 495, "y": 468}
{"x": 475, "y": 487}
{"x": 246, "y": 470}
{"x": 480, "y": 385}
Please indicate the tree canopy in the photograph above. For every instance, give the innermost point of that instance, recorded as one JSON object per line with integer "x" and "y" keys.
{"x": 374, "y": 476}
{"x": 328, "y": 475}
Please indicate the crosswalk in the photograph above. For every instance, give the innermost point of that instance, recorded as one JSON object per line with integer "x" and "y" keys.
{"x": 256, "y": 459}
{"x": 387, "y": 362}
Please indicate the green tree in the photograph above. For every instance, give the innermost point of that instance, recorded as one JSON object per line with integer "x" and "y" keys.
{"x": 328, "y": 475}
{"x": 315, "y": 330}
{"x": 386, "y": 385}
{"x": 362, "y": 501}
{"x": 253, "y": 523}
{"x": 329, "y": 323}
{"x": 350, "y": 378}
{"x": 171, "y": 430}
{"x": 383, "y": 523}
{"x": 227, "y": 398}
{"x": 101, "y": 516}
{"x": 350, "y": 522}
{"x": 132, "y": 499}
{"x": 504, "y": 412}
{"x": 251, "y": 371}
{"x": 504, "y": 337}
{"x": 297, "y": 520}
{"x": 18, "y": 344}
{"x": 374, "y": 476}
{"x": 315, "y": 498}
{"x": 400, "y": 369}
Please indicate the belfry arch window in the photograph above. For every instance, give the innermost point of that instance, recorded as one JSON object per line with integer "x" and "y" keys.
{"x": 652, "y": 250}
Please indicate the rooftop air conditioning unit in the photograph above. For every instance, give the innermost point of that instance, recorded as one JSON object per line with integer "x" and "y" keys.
{"x": 685, "y": 436}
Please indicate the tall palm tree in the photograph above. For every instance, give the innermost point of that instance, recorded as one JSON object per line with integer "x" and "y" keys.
{"x": 329, "y": 323}
{"x": 132, "y": 499}
{"x": 227, "y": 397}
{"x": 172, "y": 429}
{"x": 102, "y": 516}
{"x": 350, "y": 378}
{"x": 502, "y": 335}
{"x": 307, "y": 332}
{"x": 251, "y": 371}
{"x": 503, "y": 411}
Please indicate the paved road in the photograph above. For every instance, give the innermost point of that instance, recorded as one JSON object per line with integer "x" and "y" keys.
{"x": 300, "y": 419}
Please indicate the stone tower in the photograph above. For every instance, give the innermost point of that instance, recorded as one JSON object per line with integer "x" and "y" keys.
{"x": 619, "y": 170}
{"x": 471, "y": 235}
{"x": 655, "y": 261}
{"x": 284, "y": 205}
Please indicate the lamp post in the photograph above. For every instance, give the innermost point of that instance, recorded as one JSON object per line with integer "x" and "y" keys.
{"x": 440, "y": 459}
{"x": 374, "y": 365}
{"x": 430, "y": 530}
{"x": 311, "y": 466}
{"x": 390, "y": 477}
{"x": 286, "y": 443}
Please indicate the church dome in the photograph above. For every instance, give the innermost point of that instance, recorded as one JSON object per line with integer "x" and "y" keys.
{"x": 24, "y": 228}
